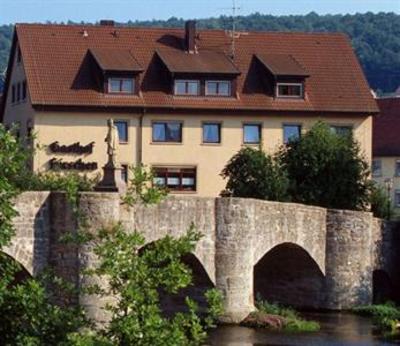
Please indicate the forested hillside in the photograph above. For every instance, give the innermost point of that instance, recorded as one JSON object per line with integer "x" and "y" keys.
{"x": 375, "y": 37}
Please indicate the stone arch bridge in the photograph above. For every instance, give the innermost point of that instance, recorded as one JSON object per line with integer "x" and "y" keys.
{"x": 298, "y": 254}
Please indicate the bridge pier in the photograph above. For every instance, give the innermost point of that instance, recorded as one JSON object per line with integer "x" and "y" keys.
{"x": 349, "y": 263}
{"x": 234, "y": 258}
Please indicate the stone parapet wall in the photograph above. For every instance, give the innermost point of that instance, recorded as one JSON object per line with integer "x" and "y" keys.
{"x": 339, "y": 249}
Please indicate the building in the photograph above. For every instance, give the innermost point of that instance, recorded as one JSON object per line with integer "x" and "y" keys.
{"x": 386, "y": 149}
{"x": 184, "y": 101}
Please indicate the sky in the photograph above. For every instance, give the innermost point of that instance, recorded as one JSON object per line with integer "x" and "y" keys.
{"x": 12, "y": 11}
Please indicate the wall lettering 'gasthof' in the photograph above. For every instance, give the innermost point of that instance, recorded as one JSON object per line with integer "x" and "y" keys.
{"x": 78, "y": 165}
{"x": 75, "y": 148}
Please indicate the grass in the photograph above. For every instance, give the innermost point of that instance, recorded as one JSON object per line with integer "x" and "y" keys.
{"x": 294, "y": 322}
{"x": 386, "y": 317}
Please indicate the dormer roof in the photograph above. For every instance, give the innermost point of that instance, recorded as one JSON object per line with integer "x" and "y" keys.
{"x": 282, "y": 65}
{"x": 202, "y": 62}
{"x": 119, "y": 60}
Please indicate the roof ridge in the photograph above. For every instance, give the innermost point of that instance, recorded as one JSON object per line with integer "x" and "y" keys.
{"x": 181, "y": 29}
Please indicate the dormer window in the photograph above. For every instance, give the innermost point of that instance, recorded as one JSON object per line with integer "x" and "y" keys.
{"x": 187, "y": 87}
{"x": 218, "y": 88}
{"x": 289, "y": 90}
{"x": 121, "y": 85}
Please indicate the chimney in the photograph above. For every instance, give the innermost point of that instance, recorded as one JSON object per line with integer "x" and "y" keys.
{"x": 107, "y": 22}
{"x": 190, "y": 36}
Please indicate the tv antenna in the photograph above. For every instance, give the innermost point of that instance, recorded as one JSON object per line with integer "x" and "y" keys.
{"x": 234, "y": 8}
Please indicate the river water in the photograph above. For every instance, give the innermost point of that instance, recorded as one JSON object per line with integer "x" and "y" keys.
{"x": 337, "y": 329}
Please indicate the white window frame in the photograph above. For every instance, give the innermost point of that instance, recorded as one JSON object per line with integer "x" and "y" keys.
{"x": 187, "y": 81}
{"x": 290, "y": 96}
{"x": 379, "y": 174}
{"x": 121, "y": 92}
{"x": 219, "y": 81}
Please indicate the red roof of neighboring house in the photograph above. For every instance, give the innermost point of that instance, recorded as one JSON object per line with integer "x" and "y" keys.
{"x": 57, "y": 75}
{"x": 386, "y": 128}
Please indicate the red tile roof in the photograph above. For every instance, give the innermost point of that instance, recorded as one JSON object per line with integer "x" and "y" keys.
{"x": 54, "y": 56}
{"x": 204, "y": 62}
{"x": 386, "y": 128}
{"x": 282, "y": 65}
{"x": 115, "y": 59}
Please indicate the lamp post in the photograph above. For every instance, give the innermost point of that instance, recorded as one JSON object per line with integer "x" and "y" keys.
{"x": 389, "y": 187}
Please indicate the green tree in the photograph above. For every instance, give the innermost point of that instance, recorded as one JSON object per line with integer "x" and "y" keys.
{"x": 326, "y": 169}
{"x": 380, "y": 202}
{"x": 254, "y": 174}
{"x": 136, "y": 279}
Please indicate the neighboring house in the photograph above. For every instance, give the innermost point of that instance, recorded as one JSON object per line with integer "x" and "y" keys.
{"x": 183, "y": 103}
{"x": 386, "y": 148}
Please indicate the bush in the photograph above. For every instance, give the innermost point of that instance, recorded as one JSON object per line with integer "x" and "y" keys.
{"x": 326, "y": 169}
{"x": 293, "y": 321}
{"x": 385, "y": 316}
{"x": 380, "y": 202}
{"x": 252, "y": 173}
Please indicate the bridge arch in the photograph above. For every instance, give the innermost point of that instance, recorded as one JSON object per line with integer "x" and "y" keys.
{"x": 201, "y": 282}
{"x": 21, "y": 255}
{"x": 383, "y": 287}
{"x": 288, "y": 274}
{"x": 22, "y": 274}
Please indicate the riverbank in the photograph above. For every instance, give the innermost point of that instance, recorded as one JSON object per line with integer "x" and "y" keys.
{"x": 386, "y": 318}
{"x": 336, "y": 329}
{"x": 277, "y": 317}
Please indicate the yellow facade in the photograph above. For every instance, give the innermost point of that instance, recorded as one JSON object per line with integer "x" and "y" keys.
{"x": 69, "y": 127}
{"x": 388, "y": 172}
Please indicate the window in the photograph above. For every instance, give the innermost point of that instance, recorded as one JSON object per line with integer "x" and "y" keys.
{"x": 170, "y": 131}
{"x": 121, "y": 85}
{"x": 124, "y": 173}
{"x": 397, "y": 169}
{"x": 251, "y": 133}
{"x": 24, "y": 90}
{"x": 397, "y": 198}
{"x": 13, "y": 94}
{"x": 18, "y": 92}
{"x": 376, "y": 168}
{"x": 122, "y": 127}
{"x": 211, "y": 133}
{"x": 218, "y": 88}
{"x": 291, "y": 132}
{"x": 341, "y": 130}
{"x": 292, "y": 90}
{"x": 187, "y": 87}
{"x": 175, "y": 179}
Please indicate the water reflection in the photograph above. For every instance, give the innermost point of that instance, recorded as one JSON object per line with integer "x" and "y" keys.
{"x": 337, "y": 329}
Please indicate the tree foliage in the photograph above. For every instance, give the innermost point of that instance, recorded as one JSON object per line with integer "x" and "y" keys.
{"x": 375, "y": 37}
{"x": 380, "y": 202}
{"x": 326, "y": 169}
{"x": 253, "y": 173}
{"x": 136, "y": 279}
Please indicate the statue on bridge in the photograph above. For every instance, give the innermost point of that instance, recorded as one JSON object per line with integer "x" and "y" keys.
{"x": 112, "y": 180}
{"x": 112, "y": 140}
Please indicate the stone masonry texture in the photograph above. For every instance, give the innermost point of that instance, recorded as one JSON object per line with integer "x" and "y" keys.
{"x": 302, "y": 255}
